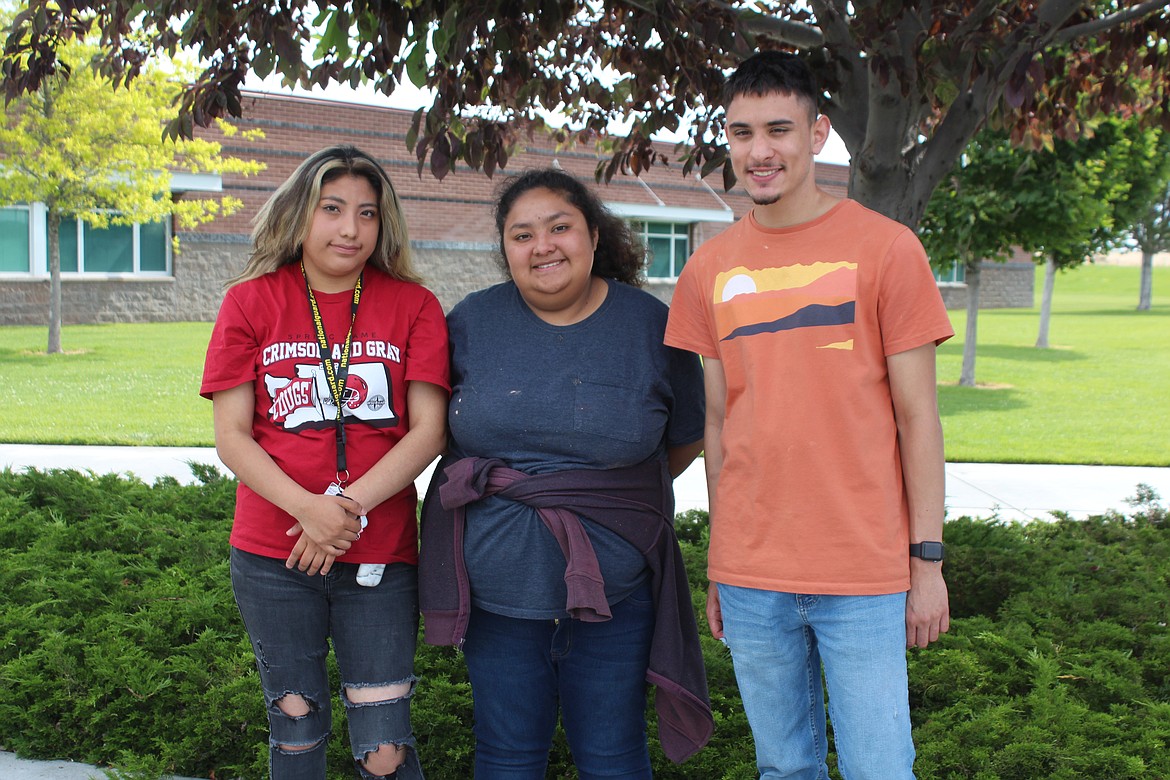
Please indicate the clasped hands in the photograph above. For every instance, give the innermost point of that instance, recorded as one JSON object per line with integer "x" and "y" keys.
{"x": 326, "y": 527}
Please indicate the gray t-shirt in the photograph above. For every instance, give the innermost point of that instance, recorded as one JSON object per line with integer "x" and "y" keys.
{"x": 601, "y": 393}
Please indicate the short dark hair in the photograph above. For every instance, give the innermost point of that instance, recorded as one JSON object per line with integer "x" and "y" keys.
{"x": 773, "y": 71}
{"x": 619, "y": 254}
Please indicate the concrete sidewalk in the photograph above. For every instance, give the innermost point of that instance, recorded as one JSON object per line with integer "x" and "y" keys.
{"x": 13, "y": 768}
{"x": 1008, "y": 491}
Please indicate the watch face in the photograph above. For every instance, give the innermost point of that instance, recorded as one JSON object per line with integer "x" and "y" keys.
{"x": 930, "y": 551}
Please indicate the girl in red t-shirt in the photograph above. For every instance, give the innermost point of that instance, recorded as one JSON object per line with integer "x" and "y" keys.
{"x": 327, "y": 369}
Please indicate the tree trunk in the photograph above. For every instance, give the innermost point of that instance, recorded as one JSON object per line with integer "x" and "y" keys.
{"x": 891, "y": 171}
{"x": 974, "y": 276}
{"x": 1147, "y": 285}
{"x": 887, "y": 189}
{"x": 1046, "y": 302}
{"x": 54, "y": 281}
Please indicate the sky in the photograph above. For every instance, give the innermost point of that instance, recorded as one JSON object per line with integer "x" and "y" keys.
{"x": 409, "y": 97}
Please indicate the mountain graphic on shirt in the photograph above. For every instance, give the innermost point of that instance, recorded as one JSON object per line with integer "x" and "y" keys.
{"x": 797, "y": 297}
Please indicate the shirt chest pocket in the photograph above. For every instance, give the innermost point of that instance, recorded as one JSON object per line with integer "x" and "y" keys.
{"x": 609, "y": 410}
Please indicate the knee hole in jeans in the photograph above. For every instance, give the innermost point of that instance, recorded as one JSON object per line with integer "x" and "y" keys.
{"x": 294, "y": 705}
{"x": 385, "y": 759}
{"x": 378, "y": 694}
{"x": 291, "y": 749}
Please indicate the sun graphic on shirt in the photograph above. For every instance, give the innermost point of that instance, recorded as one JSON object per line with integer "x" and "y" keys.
{"x": 816, "y": 299}
{"x": 740, "y": 284}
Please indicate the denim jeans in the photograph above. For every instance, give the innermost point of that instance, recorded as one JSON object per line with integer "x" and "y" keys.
{"x": 522, "y": 669}
{"x": 778, "y": 643}
{"x": 290, "y": 618}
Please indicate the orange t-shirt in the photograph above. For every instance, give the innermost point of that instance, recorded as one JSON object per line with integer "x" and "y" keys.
{"x": 810, "y": 496}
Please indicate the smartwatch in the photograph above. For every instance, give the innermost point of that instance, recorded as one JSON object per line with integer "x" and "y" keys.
{"x": 928, "y": 551}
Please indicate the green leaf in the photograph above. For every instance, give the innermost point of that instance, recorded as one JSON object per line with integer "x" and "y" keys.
{"x": 412, "y": 133}
{"x": 262, "y": 62}
{"x": 416, "y": 64}
{"x": 729, "y": 178}
{"x": 444, "y": 34}
{"x": 335, "y": 36}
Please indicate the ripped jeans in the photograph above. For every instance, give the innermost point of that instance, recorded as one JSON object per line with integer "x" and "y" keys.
{"x": 290, "y": 618}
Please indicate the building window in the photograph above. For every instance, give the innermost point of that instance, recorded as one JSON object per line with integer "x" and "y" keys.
{"x": 956, "y": 273}
{"x": 118, "y": 249}
{"x": 668, "y": 245}
{"x": 14, "y": 239}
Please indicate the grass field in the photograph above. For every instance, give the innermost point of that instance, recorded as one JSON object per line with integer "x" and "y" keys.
{"x": 114, "y": 384}
{"x": 1100, "y": 395}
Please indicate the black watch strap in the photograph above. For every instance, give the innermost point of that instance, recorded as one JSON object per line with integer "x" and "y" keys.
{"x": 929, "y": 551}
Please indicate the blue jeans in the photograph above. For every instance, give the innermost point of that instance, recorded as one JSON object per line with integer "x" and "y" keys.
{"x": 778, "y": 642}
{"x": 521, "y": 669}
{"x": 290, "y": 618}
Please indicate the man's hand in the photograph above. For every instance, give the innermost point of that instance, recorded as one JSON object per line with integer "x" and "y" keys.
{"x": 714, "y": 611}
{"x": 928, "y": 611}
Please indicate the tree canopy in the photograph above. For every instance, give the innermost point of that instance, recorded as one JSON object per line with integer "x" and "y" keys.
{"x": 1150, "y": 232}
{"x": 1149, "y": 229}
{"x": 970, "y": 218}
{"x": 1062, "y": 204}
{"x": 88, "y": 151}
{"x": 907, "y": 84}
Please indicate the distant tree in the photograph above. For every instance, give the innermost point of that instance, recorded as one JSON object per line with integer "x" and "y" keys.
{"x": 1061, "y": 204}
{"x": 1152, "y": 235}
{"x": 1150, "y": 230}
{"x": 1063, "y": 211}
{"x": 1087, "y": 194}
{"x": 88, "y": 150}
{"x": 968, "y": 220}
{"x": 908, "y": 83}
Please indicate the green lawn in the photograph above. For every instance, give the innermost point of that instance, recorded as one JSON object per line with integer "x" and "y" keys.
{"x": 114, "y": 384}
{"x": 1099, "y": 396}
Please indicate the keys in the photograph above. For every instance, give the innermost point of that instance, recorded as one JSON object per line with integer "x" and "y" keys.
{"x": 368, "y": 574}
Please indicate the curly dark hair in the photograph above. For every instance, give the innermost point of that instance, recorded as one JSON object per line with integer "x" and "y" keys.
{"x": 620, "y": 255}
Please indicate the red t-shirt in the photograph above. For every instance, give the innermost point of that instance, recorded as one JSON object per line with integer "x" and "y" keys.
{"x": 264, "y": 334}
{"x": 810, "y": 496}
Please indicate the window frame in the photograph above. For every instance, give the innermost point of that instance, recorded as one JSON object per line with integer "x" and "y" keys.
{"x": 30, "y": 240}
{"x": 680, "y": 232}
{"x": 38, "y": 262}
{"x": 956, "y": 273}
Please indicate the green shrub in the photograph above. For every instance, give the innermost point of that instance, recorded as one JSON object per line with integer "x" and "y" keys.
{"x": 120, "y": 645}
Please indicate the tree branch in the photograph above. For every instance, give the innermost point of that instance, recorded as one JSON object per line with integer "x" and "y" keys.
{"x": 974, "y": 19}
{"x": 1139, "y": 11}
{"x": 797, "y": 34}
{"x": 849, "y": 107}
{"x": 832, "y": 19}
{"x": 950, "y": 137}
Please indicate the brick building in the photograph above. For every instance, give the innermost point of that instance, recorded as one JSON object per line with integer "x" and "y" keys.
{"x": 132, "y": 274}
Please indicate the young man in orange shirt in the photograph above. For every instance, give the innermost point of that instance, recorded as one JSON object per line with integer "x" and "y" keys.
{"x": 817, "y": 320}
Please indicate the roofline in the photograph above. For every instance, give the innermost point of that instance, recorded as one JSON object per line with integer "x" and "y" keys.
{"x": 654, "y": 212}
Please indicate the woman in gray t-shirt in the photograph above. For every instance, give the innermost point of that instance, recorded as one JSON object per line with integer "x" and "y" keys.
{"x": 562, "y": 368}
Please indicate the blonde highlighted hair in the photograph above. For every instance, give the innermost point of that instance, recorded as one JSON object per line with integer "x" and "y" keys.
{"x": 281, "y": 225}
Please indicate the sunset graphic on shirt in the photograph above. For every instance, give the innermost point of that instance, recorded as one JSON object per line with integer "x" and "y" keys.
{"x": 790, "y": 298}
